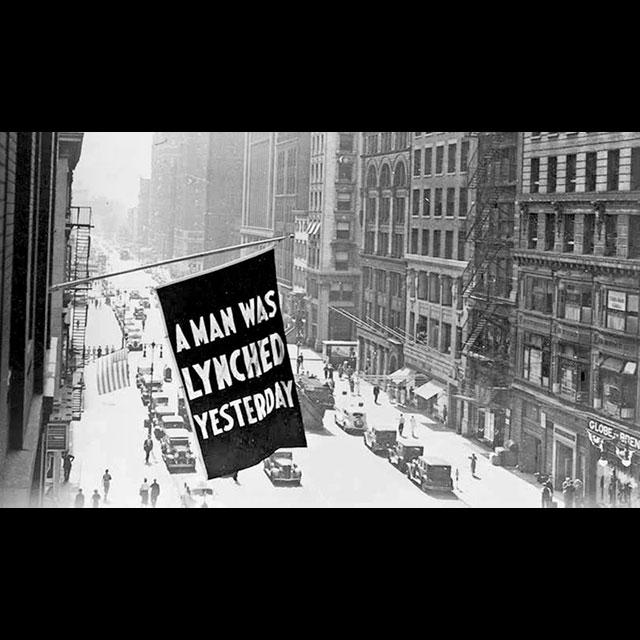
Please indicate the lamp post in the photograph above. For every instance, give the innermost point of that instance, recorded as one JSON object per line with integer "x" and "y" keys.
{"x": 152, "y": 346}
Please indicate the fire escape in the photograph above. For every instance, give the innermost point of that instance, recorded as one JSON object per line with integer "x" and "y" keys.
{"x": 486, "y": 281}
{"x": 79, "y": 229}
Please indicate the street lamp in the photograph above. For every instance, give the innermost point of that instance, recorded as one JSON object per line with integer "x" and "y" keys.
{"x": 152, "y": 346}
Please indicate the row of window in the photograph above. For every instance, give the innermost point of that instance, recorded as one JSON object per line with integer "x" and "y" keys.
{"x": 423, "y": 203}
{"x": 438, "y": 244}
{"x": 570, "y": 183}
{"x": 574, "y": 302}
{"x": 388, "y": 245}
{"x": 571, "y": 378}
{"x": 423, "y": 159}
{"x": 385, "y": 141}
{"x": 434, "y": 333}
{"x": 383, "y": 281}
{"x": 571, "y": 233}
{"x": 399, "y": 176}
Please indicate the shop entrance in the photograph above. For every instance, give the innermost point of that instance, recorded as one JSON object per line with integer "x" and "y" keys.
{"x": 564, "y": 464}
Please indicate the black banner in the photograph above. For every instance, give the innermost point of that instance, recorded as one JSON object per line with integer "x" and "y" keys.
{"x": 226, "y": 332}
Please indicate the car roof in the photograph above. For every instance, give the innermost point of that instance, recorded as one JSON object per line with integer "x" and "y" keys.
{"x": 435, "y": 462}
{"x": 179, "y": 433}
{"x": 174, "y": 418}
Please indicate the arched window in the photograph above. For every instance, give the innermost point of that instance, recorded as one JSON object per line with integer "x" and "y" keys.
{"x": 385, "y": 176}
{"x": 372, "y": 177}
{"x": 400, "y": 175}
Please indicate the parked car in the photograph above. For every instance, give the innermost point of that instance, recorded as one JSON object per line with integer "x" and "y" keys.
{"x": 401, "y": 454}
{"x": 134, "y": 342}
{"x": 431, "y": 474}
{"x": 352, "y": 417}
{"x": 145, "y": 303}
{"x": 281, "y": 469}
{"x": 177, "y": 453}
{"x": 380, "y": 438}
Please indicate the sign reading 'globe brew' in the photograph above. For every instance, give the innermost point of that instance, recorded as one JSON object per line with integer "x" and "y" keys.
{"x": 227, "y": 335}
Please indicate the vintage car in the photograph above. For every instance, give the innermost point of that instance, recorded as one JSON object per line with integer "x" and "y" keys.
{"x": 431, "y": 474}
{"x": 351, "y": 418}
{"x": 380, "y": 438}
{"x": 134, "y": 342}
{"x": 134, "y": 295}
{"x": 401, "y": 455}
{"x": 145, "y": 303}
{"x": 281, "y": 469}
{"x": 177, "y": 453}
{"x": 139, "y": 314}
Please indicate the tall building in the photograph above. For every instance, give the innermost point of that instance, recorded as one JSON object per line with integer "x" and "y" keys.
{"x": 275, "y": 187}
{"x": 178, "y": 196}
{"x": 224, "y": 194}
{"x": 142, "y": 213}
{"x": 164, "y": 193}
{"x": 385, "y": 195}
{"x": 437, "y": 256}
{"x": 40, "y": 330}
{"x": 331, "y": 256}
{"x": 576, "y": 395}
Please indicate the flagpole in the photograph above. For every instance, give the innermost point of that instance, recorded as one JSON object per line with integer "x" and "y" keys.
{"x": 203, "y": 254}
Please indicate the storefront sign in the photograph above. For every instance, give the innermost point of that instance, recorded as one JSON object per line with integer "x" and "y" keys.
{"x": 617, "y": 300}
{"x": 57, "y": 437}
{"x": 606, "y": 432}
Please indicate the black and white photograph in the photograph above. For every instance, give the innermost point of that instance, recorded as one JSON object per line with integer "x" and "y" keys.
{"x": 269, "y": 320}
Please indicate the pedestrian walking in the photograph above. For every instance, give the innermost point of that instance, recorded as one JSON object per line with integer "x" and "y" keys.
{"x": 578, "y": 486}
{"x": 457, "y": 477}
{"x": 99, "y": 352}
{"x": 376, "y": 393}
{"x": 300, "y": 362}
{"x": 568, "y": 493}
{"x": 401, "y": 426}
{"x": 330, "y": 371}
{"x": 340, "y": 372}
{"x": 352, "y": 385}
{"x": 549, "y": 483}
{"x": 106, "y": 483}
{"x": 144, "y": 493}
{"x": 66, "y": 465}
{"x": 413, "y": 425}
{"x": 95, "y": 499}
{"x": 235, "y": 478}
{"x": 326, "y": 371}
{"x": 356, "y": 379}
{"x": 78, "y": 503}
{"x": 474, "y": 462}
{"x": 155, "y": 493}
{"x": 444, "y": 415}
{"x": 546, "y": 497}
{"x": 148, "y": 448}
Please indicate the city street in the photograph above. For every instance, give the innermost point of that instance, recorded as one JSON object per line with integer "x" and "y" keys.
{"x": 338, "y": 470}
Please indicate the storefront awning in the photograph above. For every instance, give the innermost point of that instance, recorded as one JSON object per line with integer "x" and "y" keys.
{"x": 403, "y": 375}
{"x": 427, "y": 391}
{"x": 313, "y": 228}
{"x": 612, "y": 364}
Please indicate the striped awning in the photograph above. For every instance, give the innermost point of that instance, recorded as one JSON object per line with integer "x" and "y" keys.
{"x": 313, "y": 228}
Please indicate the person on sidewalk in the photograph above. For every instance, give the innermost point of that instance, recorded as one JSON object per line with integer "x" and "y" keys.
{"x": 549, "y": 483}
{"x": 144, "y": 493}
{"x": 148, "y": 448}
{"x": 414, "y": 426}
{"x": 376, "y": 393}
{"x": 66, "y": 465}
{"x": 547, "y": 498}
{"x": 401, "y": 426}
{"x": 579, "y": 493}
{"x": 78, "y": 503}
{"x": 356, "y": 382}
{"x": 99, "y": 352}
{"x": 95, "y": 499}
{"x": 330, "y": 366}
{"x": 155, "y": 493}
{"x": 235, "y": 478}
{"x": 568, "y": 493}
{"x": 326, "y": 370}
{"x": 106, "y": 483}
{"x": 352, "y": 385}
{"x": 474, "y": 463}
{"x": 340, "y": 372}
{"x": 299, "y": 362}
